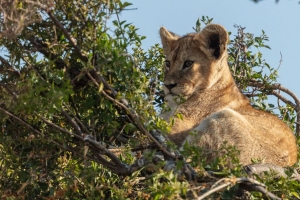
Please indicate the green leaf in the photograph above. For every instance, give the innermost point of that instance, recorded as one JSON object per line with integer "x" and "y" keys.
{"x": 101, "y": 86}
{"x": 43, "y": 186}
{"x": 295, "y": 194}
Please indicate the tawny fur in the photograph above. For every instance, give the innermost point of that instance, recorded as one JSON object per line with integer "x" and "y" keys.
{"x": 215, "y": 109}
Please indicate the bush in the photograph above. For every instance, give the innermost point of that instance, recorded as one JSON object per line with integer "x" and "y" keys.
{"x": 77, "y": 88}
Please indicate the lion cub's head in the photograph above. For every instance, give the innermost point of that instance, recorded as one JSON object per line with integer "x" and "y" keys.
{"x": 193, "y": 62}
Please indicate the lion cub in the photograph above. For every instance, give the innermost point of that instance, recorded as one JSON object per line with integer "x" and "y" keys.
{"x": 215, "y": 109}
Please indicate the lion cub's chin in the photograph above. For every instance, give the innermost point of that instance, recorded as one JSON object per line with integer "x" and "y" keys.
{"x": 170, "y": 99}
{"x": 173, "y": 101}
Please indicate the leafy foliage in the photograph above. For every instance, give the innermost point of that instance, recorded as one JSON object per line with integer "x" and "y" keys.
{"x": 75, "y": 82}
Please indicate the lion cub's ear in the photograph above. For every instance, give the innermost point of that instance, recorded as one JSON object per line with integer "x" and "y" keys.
{"x": 167, "y": 38}
{"x": 213, "y": 39}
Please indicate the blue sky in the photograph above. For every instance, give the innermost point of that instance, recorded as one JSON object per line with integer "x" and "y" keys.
{"x": 279, "y": 21}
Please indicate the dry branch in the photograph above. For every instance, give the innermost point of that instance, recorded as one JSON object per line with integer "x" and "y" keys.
{"x": 233, "y": 181}
{"x": 22, "y": 121}
{"x": 72, "y": 122}
{"x": 260, "y": 169}
{"x": 271, "y": 89}
{"x": 277, "y": 86}
{"x": 59, "y": 128}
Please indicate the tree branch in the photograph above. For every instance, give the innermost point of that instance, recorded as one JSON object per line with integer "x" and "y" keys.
{"x": 112, "y": 156}
{"x": 15, "y": 96}
{"x": 21, "y": 121}
{"x": 59, "y": 128}
{"x": 72, "y": 122}
{"x": 68, "y": 35}
{"x": 277, "y": 86}
{"x": 123, "y": 106}
{"x": 10, "y": 68}
{"x": 233, "y": 181}
{"x": 260, "y": 169}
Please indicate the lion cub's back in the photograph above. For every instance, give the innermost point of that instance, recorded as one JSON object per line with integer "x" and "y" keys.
{"x": 256, "y": 134}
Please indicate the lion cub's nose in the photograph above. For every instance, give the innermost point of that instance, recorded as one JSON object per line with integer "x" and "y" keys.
{"x": 170, "y": 86}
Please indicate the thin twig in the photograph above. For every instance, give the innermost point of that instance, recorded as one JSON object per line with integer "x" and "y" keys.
{"x": 82, "y": 126}
{"x": 59, "y": 128}
{"x": 216, "y": 189}
{"x": 117, "y": 163}
{"x": 10, "y": 68}
{"x": 114, "y": 158}
{"x": 15, "y": 96}
{"x": 280, "y": 61}
{"x": 72, "y": 122}
{"x": 278, "y": 86}
{"x": 21, "y": 121}
{"x": 68, "y": 35}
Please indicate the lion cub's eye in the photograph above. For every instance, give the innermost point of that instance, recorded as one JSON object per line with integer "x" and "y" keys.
{"x": 168, "y": 64}
{"x": 187, "y": 64}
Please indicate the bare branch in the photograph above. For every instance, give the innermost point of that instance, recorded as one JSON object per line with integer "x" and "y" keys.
{"x": 82, "y": 126}
{"x": 259, "y": 169}
{"x": 15, "y": 96}
{"x": 21, "y": 121}
{"x": 263, "y": 190}
{"x": 72, "y": 122}
{"x": 216, "y": 189}
{"x": 112, "y": 156}
{"x": 60, "y": 128}
{"x": 68, "y": 35}
{"x": 233, "y": 181}
{"x": 10, "y": 68}
{"x": 277, "y": 86}
{"x": 116, "y": 166}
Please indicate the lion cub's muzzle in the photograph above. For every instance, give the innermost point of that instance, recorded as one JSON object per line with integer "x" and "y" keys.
{"x": 170, "y": 86}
